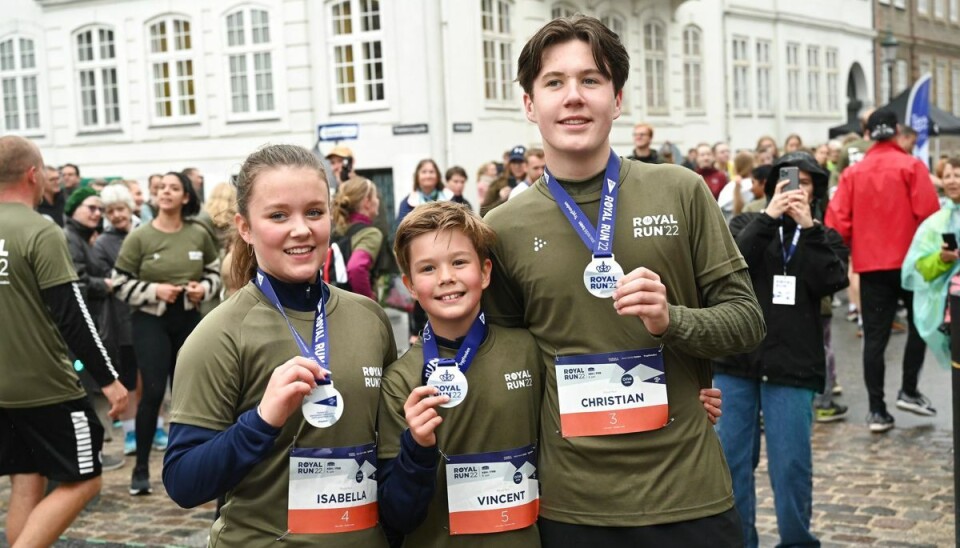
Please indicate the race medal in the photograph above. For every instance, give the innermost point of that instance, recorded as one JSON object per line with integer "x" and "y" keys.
{"x": 602, "y": 272}
{"x": 449, "y": 381}
{"x": 601, "y": 276}
{"x": 449, "y": 376}
{"x": 323, "y": 407}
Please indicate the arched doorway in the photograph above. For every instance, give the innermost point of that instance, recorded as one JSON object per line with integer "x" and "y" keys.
{"x": 856, "y": 91}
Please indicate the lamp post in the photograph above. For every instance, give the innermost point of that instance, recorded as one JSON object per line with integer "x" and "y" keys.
{"x": 889, "y": 47}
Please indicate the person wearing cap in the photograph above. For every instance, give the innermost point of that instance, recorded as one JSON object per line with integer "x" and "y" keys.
{"x": 83, "y": 212}
{"x": 337, "y": 157}
{"x": 515, "y": 173}
{"x": 794, "y": 262}
{"x": 879, "y": 204}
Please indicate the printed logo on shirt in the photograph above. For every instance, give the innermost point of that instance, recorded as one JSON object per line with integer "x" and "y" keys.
{"x": 195, "y": 255}
{"x": 371, "y": 376}
{"x": 518, "y": 379}
{"x": 4, "y": 263}
{"x": 155, "y": 257}
{"x": 655, "y": 225}
{"x": 538, "y": 244}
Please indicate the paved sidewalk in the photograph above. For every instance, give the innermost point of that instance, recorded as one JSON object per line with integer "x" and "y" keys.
{"x": 888, "y": 490}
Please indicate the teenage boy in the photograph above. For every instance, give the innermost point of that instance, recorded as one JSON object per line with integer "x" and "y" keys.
{"x": 631, "y": 367}
{"x": 485, "y": 428}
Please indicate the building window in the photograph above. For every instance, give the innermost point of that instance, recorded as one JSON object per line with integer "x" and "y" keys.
{"x": 900, "y": 4}
{"x": 813, "y": 78}
{"x": 356, "y": 46}
{"x": 692, "y": 68}
{"x": 940, "y": 85}
{"x": 562, "y": 9}
{"x": 954, "y": 11}
{"x": 250, "y": 61}
{"x": 764, "y": 68}
{"x": 97, "y": 77}
{"x": 497, "y": 50}
{"x": 741, "y": 74}
{"x": 18, "y": 83}
{"x": 617, "y": 24}
{"x": 901, "y": 82}
{"x": 793, "y": 77}
{"x": 833, "y": 80}
{"x": 923, "y": 6}
{"x": 955, "y": 89}
{"x": 170, "y": 59}
{"x": 940, "y": 9}
{"x": 655, "y": 61}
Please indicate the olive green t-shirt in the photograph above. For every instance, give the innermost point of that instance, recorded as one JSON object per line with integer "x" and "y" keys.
{"x": 34, "y": 363}
{"x": 160, "y": 257}
{"x": 223, "y": 370}
{"x": 500, "y": 412}
{"x": 668, "y": 222}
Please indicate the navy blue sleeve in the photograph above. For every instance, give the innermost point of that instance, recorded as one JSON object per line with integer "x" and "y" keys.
{"x": 406, "y": 486}
{"x": 202, "y": 464}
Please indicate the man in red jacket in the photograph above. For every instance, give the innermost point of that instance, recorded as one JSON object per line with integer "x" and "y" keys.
{"x": 879, "y": 204}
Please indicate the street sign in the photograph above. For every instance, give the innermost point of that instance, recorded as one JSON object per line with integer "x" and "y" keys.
{"x": 462, "y": 127}
{"x": 337, "y": 132}
{"x": 410, "y": 129}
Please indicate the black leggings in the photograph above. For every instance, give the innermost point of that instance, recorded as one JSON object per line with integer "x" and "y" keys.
{"x": 720, "y": 531}
{"x": 156, "y": 340}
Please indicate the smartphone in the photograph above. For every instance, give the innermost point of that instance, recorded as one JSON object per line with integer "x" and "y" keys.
{"x": 791, "y": 174}
{"x": 950, "y": 239}
{"x": 346, "y": 169}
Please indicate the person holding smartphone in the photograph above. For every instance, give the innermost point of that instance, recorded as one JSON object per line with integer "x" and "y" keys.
{"x": 931, "y": 262}
{"x": 794, "y": 262}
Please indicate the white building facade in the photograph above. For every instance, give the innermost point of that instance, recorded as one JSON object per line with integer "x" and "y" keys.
{"x": 135, "y": 87}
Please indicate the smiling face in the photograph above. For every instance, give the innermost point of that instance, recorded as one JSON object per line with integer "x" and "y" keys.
{"x": 447, "y": 278}
{"x": 427, "y": 178}
{"x": 288, "y": 223}
{"x": 89, "y": 212}
{"x": 119, "y": 216}
{"x": 574, "y": 105}
{"x": 951, "y": 182}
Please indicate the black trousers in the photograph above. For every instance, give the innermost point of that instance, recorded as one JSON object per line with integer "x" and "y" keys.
{"x": 879, "y": 292}
{"x": 156, "y": 340}
{"x": 719, "y": 531}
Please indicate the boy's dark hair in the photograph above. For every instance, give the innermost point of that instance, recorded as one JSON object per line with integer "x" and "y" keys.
{"x": 455, "y": 170}
{"x": 611, "y": 57}
{"x": 74, "y": 166}
{"x": 437, "y": 217}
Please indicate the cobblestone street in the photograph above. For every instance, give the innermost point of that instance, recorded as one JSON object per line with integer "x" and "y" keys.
{"x": 869, "y": 490}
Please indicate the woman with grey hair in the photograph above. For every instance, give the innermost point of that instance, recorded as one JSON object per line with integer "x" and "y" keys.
{"x": 115, "y": 323}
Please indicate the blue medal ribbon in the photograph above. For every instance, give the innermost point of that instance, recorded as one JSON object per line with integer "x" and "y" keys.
{"x": 321, "y": 341}
{"x": 598, "y": 240}
{"x": 789, "y": 252}
{"x": 472, "y": 342}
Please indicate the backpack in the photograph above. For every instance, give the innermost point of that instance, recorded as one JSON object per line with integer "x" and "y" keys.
{"x": 338, "y": 256}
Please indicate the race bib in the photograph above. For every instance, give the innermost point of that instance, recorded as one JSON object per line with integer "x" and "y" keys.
{"x": 616, "y": 393}
{"x": 785, "y": 290}
{"x": 195, "y": 255}
{"x": 493, "y": 492}
{"x": 332, "y": 490}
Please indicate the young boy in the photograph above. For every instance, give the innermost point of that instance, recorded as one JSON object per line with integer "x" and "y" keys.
{"x": 626, "y": 458}
{"x": 458, "y": 437}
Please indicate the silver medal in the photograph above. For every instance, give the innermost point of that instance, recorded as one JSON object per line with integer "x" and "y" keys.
{"x": 601, "y": 275}
{"x": 450, "y": 381}
{"x": 323, "y": 406}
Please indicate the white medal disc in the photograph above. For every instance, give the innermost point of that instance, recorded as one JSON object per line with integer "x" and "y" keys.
{"x": 323, "y": 406}
{"x": 450, "y": 381}
{"x": 601, "y": 275}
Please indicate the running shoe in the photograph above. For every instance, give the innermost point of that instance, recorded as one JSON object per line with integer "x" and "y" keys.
{"x": 160, "y": 440}
{"x": 832, "y": 413}
{"x": 918, "y": 404}
{"x": 879, "y": 421}
{"x": 130, "y": 443}
{"x": 140, "y": 481}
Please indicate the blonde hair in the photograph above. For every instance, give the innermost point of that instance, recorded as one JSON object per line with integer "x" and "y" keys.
{"x": 222, "y": 205}
{"x": 269, "y": 157}
{"x": 437, "y": 217}
{"x": 348, "y": 199}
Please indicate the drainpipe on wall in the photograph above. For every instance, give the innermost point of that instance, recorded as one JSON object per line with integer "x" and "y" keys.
{"x": 727, "y": 93}
{"x": 447, "y": 127}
